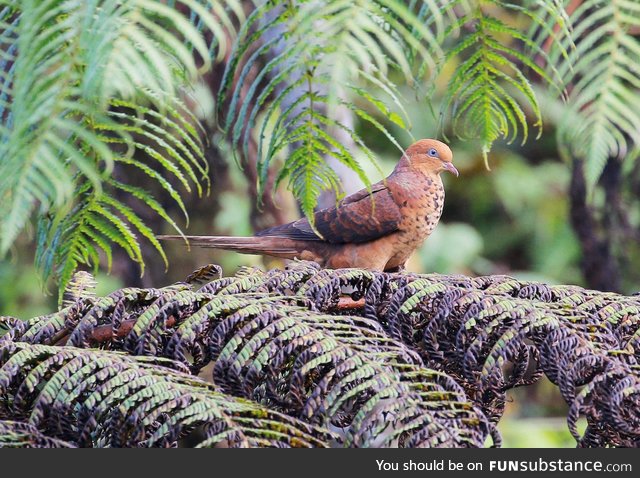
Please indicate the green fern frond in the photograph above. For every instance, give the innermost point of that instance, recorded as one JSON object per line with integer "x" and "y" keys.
{"x": 605, "y": 77}
{"x": 77, "y": 235}
{"x": 488, "y": 94}
{"x": 87, "y": 85}
{"x": 295, "y": 65}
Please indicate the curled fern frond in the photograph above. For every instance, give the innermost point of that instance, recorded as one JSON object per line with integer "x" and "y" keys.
{"x": 15, "y": 434}
{"x": 492, "y": 332}
{"x": 327, "y": 370}
{"x": 103, "y": 399}
{"x": 435, "y": 353}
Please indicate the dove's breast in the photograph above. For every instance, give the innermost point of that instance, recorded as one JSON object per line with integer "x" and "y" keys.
{"x": 420, "y": 199}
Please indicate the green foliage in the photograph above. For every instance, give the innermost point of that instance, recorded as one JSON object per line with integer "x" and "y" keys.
{"x": 481, "y": 96}
{"x": 164, "y": 145}
{"x": 311, "y": 60}
{"x": 295, "y": 65}
{"x": 603, "y": 110}
{"x": 88, "y": 85}
{"x": 91, "y": 98}
{"x": 354, "y": 53}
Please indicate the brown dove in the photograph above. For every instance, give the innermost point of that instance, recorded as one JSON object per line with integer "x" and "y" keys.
{"x": 377, "y": 228}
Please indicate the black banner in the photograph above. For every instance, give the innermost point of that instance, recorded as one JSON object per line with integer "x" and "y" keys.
{"x": 327, "y": 463}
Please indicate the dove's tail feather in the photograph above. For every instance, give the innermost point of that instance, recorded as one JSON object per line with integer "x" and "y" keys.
{"x": 269, "y": 245}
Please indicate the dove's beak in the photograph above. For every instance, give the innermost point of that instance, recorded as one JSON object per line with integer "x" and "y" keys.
{"x": 451, "y": 168}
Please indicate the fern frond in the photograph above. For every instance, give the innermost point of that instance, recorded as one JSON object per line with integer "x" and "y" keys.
{"x": 488, "y": 94}
{"x": 97, "y": 221}
{"x": 423, "y": 360}
{"x": 603, "y": 70}
{"x": 104, "y": 399}
{"x": 15, "y": 434}
{"x": 324, "y": 369}
{"x": 294, "y": 65}
{"x": 81, "y": 285}
{"x": 87, "y": 85}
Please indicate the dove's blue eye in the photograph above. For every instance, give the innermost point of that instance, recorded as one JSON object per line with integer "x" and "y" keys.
{"x": 433, "y": 152}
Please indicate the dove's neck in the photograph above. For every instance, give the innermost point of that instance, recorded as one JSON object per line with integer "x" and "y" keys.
{"x": 405, "y": 165}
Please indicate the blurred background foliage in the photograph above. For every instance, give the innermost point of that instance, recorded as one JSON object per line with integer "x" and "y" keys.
{"x": 532, "y": 216}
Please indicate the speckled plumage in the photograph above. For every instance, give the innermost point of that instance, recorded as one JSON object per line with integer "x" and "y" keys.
{"x": 376, "y": 229}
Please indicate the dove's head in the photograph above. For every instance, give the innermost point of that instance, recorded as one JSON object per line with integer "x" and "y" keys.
{"x": 431, "y": 156}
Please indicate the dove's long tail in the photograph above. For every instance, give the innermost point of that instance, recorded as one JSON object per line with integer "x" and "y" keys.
{"x": 269, "y": 245}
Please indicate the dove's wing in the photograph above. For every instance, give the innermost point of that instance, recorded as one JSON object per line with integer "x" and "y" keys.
{"x": 361, "y": 217}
